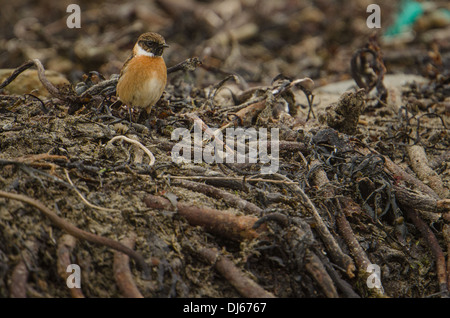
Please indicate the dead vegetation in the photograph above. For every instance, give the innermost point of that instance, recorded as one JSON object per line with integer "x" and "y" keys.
{"x": 363, "y": 179}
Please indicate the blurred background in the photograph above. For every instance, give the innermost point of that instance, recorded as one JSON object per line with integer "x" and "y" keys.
{"x": 258, "y": 39}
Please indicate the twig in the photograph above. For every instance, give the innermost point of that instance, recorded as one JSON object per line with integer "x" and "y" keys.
{"x": 315, "y": 268}
{"x": 188, "y": 65}
{"x": 361, "y": 259}
{"x": 246, "y": 116}
{"x": 75, "y": 102}
{"x": 99, "y": 88}
{"x": 229, "y": 225}
{"x": 122, "y": 272}
{"x": 66, "y": 245}
{"x": 415, "y": 200}
{"x": 362, "y": 262}
{"x": 84, "y": 199}
{"x": 433, "y": 244}
{"x": 244, "y": 285}
{"x": 230, "y": 199}
{"x": 16, "y": 73}
{"x": 398, "y": 172}
{"x": 136, "y": 143}
{"x": 19, "y": 276}
{"x": 341, "y": 284}
{"x": 78, "y": 233}
{"x": 419, "y": 164}
{"x": 209, "y": 131}
{"x": 331, "y": 245}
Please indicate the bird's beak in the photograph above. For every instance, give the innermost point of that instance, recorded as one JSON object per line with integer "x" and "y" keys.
{"x": 165, "y": 45}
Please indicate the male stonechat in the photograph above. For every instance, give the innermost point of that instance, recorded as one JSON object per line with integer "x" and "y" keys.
{"x": 144, "y": 75}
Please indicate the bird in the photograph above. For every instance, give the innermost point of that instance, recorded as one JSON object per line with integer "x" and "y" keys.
{"x": 143, "y": 76}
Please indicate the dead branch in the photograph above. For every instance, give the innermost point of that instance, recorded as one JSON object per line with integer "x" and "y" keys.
{"x": 78, "y": 233}
{"x": 41, "y": 74}
{"x": 122, "y": 272}
{"x": 247, "y": 115}
{"x": 19, "y": 279}
{"x": 362, "y": 261}
{"x": 197, "y": 121}
{"x": 137, "y": 145}
{"x": 231, "y": 199}
{"x": 399, "y": 173}
{"x": 345, "y": 287}
{"x": 433, "y": 244}
{"x": 415, "y": 200}
{"x": 419, "y": 163}
{"x": 66, "y": 245}
{"x": 330, "y": 243}
{"x": 315, "y": 268}
{"x": 244, "y": 285}
{"x": 19, "y": 276}
{"x": 188, "y": 65}
{"x": 235, "y": 227}
{"x": 16, "y": 73}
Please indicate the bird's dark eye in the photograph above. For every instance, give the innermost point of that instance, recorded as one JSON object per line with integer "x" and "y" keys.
{"x": 150, "y": 43}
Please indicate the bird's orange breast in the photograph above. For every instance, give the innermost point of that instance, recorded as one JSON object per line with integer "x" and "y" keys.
{"x": 142, "y": 81}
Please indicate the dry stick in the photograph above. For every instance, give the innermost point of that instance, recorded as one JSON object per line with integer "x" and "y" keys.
{"x": 420, "y": 166}
{"x": 16, "y": 73}
{"x": 434, "y": 247}
{"x": 419, "y": 201}
{"x": 395, "y": 170}
{"x": 404, "y": 198}
{"x": 361, "y": 259}
{"x": 331, "y": 245}
{"x": 41, "y": 74}
{"x": 19, "y": 276}
{"x": 78, "y": 233}
{"x": 66, "y": 244}
{"x": 19, "y": 279}
{"x": 345, "y": 288}
{"x": 45, "y": 82}
{"x": 135, "y": 143}
{"x": 231, "y": 199}
{"x": 244, "y": 285}
{"x": 232, "y": 226}
{"x": 209, "y": 131}
{"x": 315, "y": 268}
{"x": 84, "y": 199}
{"x": 122, "y": 272}
{"x": 188, "y": 65}
{"x": 246, "y": 115}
